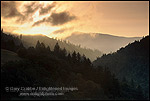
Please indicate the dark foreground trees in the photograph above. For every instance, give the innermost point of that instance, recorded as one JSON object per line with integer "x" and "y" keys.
{"x": 44, "y": 67}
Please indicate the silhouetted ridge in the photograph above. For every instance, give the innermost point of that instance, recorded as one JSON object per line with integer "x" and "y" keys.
{"x": 131, "y": 62}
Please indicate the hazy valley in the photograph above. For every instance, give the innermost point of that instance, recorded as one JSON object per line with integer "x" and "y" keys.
{"x": 103, "y": 42}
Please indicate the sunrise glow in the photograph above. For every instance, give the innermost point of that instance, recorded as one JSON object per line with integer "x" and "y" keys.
{"x": 89, "y": 17}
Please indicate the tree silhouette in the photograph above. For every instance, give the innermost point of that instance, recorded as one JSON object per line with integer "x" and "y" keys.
{"x": 83, "y": 58}
{"x": 88, "y": 61}
{"x": 57, "y": 49}
{"x": 74, "y": 56}
{"x": 78, "y": 57}
{"x": 48, "y": 49}
{"x": 69, "y": 57}
{"x": 42, "y": 46}
{"x": 64, "y": 53}
{"x": 38, "y": 45}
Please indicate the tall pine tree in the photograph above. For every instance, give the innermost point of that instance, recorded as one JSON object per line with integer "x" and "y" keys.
{"x": 57, "y": 49}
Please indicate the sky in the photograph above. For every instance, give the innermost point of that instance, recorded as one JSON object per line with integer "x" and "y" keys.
{"x": 61, "y": 18}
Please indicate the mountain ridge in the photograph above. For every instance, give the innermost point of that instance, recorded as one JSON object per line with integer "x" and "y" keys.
{"x": 131, "y": 62}
{"x": 107, "y": 34}
{"x": 103, "y": 42}
{"x": 31, "y": 40}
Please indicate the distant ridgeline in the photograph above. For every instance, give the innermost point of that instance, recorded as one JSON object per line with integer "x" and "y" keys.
{"x": 30, "y": 40}
{"x": 130, "y": 62}
{"x": 40, "y": 66}
{"x": 15, "y": 44}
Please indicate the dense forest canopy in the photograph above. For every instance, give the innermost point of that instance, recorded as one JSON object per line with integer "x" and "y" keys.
{"x": 131, "y": 62}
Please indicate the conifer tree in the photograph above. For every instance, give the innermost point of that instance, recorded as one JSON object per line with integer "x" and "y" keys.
{"x": 64, "y": 51}
{"x": 69, "y": 58}
{"x": 48, "y": 49}
{"x": 74, "y": 56}
{"x": 78, "y": 57}
{"x": 42, "y": 46}
{"x": 83, "y": 58}
{"x": 88, "y": 61}
{"x": 38, "y": 45}
{"x": 57, "y": 49}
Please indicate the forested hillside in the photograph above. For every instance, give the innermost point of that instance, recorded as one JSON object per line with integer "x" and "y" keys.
{"x": 30, "y": 40}
{"x": 42, "y": 67}
{"x": 130, "y": 62}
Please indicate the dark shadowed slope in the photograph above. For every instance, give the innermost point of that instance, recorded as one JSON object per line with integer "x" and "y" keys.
{"x": 42, "y": 67}
{"x": 8, "y": 56}
{"x": 131, "y": 62}
{"x": 103, "y": 42}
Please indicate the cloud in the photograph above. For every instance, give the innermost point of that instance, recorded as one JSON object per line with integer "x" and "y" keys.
{"x": 31, "y": 8}
{"x": 62, "y": 30}
{"x": 56, "y": 19}
{"x": 39, "y": 22}
{"x": 61, "y": 18}
{"x": 45, "y": 10}
{"x": 9, "y": 10}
